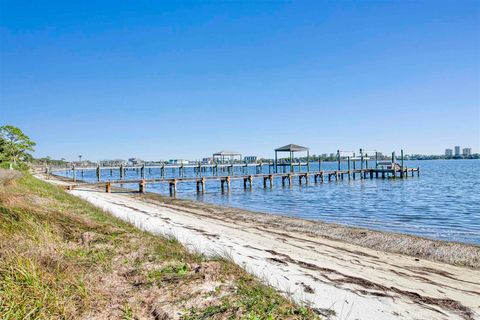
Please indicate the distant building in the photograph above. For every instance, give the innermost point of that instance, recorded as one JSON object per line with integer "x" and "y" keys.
{"x": 324, "y": 155}
{"x": 207, "y": 160}
{"x": 250, "y": 158}
{"x": 448, "y": 153}
{"x": 457, "y": 151}
{"x": 332, "y": 155}
{"x": 178, "y": 161}
{"x": 225, "y": 156}
{"x": 112, "y": 163}
{"x": 467, "y": 152}
{"x": 135, "y": 161}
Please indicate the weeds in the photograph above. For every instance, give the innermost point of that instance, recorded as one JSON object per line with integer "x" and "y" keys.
{"x": 61, "y": 257}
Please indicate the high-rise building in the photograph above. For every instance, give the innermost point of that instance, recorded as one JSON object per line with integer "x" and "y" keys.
{"x": 457, "y": 151}
{"x": 448, "y": 153}
{"x": 467, "y": 152}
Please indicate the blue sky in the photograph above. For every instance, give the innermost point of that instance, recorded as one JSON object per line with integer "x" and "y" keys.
{"x": 161, "y": 80}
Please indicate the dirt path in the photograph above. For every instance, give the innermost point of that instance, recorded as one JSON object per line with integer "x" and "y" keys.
{"x": 354, "y": 282}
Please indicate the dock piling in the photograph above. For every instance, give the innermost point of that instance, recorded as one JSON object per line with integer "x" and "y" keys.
{"x": 338, "y": 160}
{"x": 247, "y": 180}
{"x": 98, "y": 173}
{"x": 401, "y": 159}
{"x": 394, "y": 166}
{"x": 361, "y": 163}
{"x": 348, "y": 159}
{"x": 172, "y": 186}
{"x": 268, "y": 178}
{"x": 201, "y": 185}
{"x": 227, "y": 181}
{"x": 141, "y": 186}
{"x": 354, "y": 165}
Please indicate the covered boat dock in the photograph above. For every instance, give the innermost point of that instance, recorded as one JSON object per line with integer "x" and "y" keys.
{"x": 291, "y": 148}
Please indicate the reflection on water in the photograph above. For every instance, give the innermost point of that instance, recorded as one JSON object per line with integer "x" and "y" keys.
{"x": 443, "y": 203}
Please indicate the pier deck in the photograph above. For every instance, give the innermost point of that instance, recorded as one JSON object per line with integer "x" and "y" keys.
{"x": 178, "y": 166}
{"x": 225, "y": 172}
{"x": 287, "y": 178}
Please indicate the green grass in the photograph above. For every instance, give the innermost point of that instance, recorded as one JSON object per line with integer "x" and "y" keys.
{"x": 56, "y": 250}
{"x": 253, "y": 301}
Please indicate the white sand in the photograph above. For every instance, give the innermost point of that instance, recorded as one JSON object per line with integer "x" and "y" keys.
{"x": 355, "y": 282}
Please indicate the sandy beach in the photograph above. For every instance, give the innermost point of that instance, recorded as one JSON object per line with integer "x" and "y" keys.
{"x": 353, "y": 279}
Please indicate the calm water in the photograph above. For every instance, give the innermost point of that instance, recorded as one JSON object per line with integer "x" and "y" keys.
{"x": 443, "y": 203}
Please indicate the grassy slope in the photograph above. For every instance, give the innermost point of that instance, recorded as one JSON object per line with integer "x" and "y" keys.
{"x": 60, "y": 257}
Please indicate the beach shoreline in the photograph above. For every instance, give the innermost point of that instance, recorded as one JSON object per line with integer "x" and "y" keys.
{"x": 445, "y": 251}
{"x": 350, "y": 271}
{"x": 451, "y": 252}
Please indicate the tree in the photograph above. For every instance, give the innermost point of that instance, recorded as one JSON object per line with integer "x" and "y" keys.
{"x": 14, "y": 145}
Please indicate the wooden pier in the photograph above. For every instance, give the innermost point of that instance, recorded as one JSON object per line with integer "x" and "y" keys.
{"x": 267, "y": 178}
{"x": 225, "y": 173}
